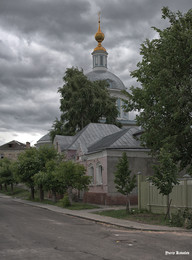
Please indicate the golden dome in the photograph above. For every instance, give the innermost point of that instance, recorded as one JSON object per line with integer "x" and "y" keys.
{"x": 99, "y": 37}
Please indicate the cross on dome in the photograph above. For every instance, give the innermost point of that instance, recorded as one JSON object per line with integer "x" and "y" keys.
{"x": 99, "y": 36}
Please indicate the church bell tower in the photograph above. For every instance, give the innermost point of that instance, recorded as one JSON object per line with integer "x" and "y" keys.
{"x": 99, "y": 54}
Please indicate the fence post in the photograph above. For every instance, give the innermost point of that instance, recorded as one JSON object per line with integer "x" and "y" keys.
{"x": 149, "y": 196}
{"x": 139, "y": 189}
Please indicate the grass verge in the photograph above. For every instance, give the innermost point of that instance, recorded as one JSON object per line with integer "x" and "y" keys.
{"x": 144, "y": 217}
{"x": 21, "y": 193}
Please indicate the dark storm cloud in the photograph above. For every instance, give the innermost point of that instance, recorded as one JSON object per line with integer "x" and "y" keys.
{"x": 39, "y": 39}
{"x": 40, "y": 20}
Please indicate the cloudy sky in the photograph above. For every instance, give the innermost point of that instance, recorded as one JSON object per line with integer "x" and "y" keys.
{"x": 39, "y": 39}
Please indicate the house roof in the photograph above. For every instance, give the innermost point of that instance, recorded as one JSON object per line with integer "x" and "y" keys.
{"x": 13, "y": 145}
{"x": 90, "y": 134}
{"x": 45, "y": 138}
{"x": 123, "y": 139}
{"x": 63, "y": 141}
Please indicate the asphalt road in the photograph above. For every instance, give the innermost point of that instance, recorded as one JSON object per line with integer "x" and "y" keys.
{"x": 28, "y": 232}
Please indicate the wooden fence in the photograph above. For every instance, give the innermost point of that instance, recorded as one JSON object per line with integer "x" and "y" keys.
{"x": 150, "y": 199}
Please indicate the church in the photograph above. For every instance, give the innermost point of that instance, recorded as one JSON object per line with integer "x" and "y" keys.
{"x": 101, "y": 72}
{"x": 99, "y": 146}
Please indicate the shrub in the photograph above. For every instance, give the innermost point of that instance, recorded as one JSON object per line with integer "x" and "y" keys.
{"x": 183, "y": 218}
{"x": 65, "y": 201}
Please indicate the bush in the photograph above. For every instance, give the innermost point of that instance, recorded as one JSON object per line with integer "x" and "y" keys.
{"x": 183, "y": 218}
{"x": 65, "y": 201}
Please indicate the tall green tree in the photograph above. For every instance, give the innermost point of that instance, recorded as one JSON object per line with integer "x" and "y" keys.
{"x": 6, "y": 173}
{"x": 62, "y": 177}
{"x": 28, "y": 164}
{"x": 45, "y": 154}
{"x": 124, "y": 181}
{"x": 83, "y": 102}
{"x": 48, "y": 179}
{"x": 72, "y": 176}
{"x": 31, "y": 162}
{"x": 165, "y": 176}
{"x": 164, "y": 99}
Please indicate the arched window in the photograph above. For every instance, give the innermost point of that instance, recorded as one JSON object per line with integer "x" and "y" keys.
{"x": 119, "y": 106}
{"x": 91, "y": 173}
{"x": 99, "y": 174}
{"x": 101, "y": 60}
{"x": 96, "y": 60}
{"x": 125, "y": 114}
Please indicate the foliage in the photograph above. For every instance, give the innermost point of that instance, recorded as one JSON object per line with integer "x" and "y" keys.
{"x": 65, "y": 201}
{"x": 46, "y": 154}
{"x": 6, "y": 172}
{"x": 72, "y": 176}
{"x": 61, "y": 177}
{"x": 27, "y": 165}
{"x": 165, "y": 175}
{"x": 125, "y": 183}
{"x": 183, "y": 218}
{"x": 31, "y": 162}
{"x": 17, "y": 192}
{"x": 82, "y": 102}
{"x": 48, "y": 179}
{"x": 165, "y": 97}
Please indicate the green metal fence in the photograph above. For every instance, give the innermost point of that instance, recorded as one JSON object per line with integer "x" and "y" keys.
{"x": 150, "y": 199}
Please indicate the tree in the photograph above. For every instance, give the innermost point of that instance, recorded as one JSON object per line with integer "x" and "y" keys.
{"x": 165, "y": 97}
{"x": 165, "y": 176}
{"x": 30, "y": 163}
{"x": 61, "y": 177}
{"x": 83, "y": 102}
{"x": 48, "y": 179}
{"x": 125, "y": 183}
{"x": 72, "y": 176}
{"x": 6, "y": 173}
{"x": 45, "y": 154}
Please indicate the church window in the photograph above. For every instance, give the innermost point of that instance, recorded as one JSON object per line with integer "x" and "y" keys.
{"x": 110, "y": 83}
{"x": 105, "y": 61}
{"x": 119, "y": 105}
{"x": 96, "y": 60}
{"x": 101, "y": 60}
{"x": 91, "y": 173}
{"x": 99, "y": 174}
{"x": 125, "y": 114}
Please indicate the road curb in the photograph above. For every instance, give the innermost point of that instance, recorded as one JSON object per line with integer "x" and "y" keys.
{"x": 127, "y": 224}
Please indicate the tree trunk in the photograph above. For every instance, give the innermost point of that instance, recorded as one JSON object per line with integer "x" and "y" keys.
{"x": 5, "y": 186}
{"x": 32, "y": 193}
{"x": 1, "y": 187}
{"x": 41, "y": 193}
{"x": 168, "y": 208}
{"x": 12, "y": 188}
{"x": 54, "y": 197}
{"x": 70, "y": 194}
{"x": 128, "y": 204}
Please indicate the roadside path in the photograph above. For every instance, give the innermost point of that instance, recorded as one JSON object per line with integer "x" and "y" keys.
{"x": 89, "y": 215}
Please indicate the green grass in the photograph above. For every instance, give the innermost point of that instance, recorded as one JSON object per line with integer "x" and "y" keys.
{"x": 17, "y": 192}
{"x": 74, "y": 206}
{"x": 21, "y": 193}
{"x": 137, "y": 216}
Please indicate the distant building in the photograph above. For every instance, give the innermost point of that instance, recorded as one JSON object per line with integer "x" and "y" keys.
{"x": 44, "y": 140}
{"x": 12, "y": 149}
